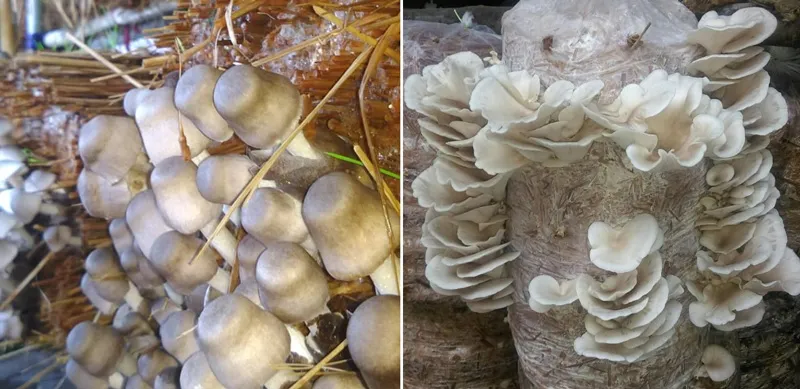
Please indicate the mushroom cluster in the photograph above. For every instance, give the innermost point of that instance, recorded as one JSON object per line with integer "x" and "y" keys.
{"x": 630, "y": 314}
{"x": 175, "y": 310}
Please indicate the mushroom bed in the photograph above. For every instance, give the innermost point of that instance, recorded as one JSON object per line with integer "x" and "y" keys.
{"x": 254, "y": 307}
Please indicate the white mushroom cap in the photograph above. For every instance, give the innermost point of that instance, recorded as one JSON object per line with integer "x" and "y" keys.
{"x": 728, "y": 238}
{"x": 178, "y": 334}
{"x": 194, "y": 98}
{"x": 121, "y": 235}
{"x": 727, "y": 34}
{"x": 546, "y": 291}
{"x": 24, "y": 206}
{"x": 39, "y": 180}
{"x": 717, "y": 363}
{"x": 89, "y": 290}
{"x": 621, "y": 250}
{"x": 12, "y": 153}
{"x": 139, "y": 269}
{"x": 248, "y": 251}
{"x": 58, "y": 237}
{"x": 11, "y": 170}
{"x": 786, "y": 273}
{"x": 102, "y": 198}
{"x": 196, "y": 373}
{"x": 136, "y": 382}
{"x": 110, "y": 146}
{"x": 718, "y": 304}
{"x": 131, "y": 100}
{"x": 242, "y": 342}
{"x": 747, "y": 92}
{"x": 7, "y": 223}
{"x": 162, "y": 308}
{"x": 159, "y": 126}
{"x": 178, "y": 198}
{"x": 744, "y": 318}
{"x": 220, "y": 178}
{"x": 772, "y": 114}
{"x": 268, "y": 205}
{"x": 262, "y": 107}
{"x": 346, "y": 221}
{"x": 8, "y": 251}
{"x": 373, "y": 336}
{"x": 96, "y": 347}
{"x": 719, "y": 174}
{"x": 145, "y": 221}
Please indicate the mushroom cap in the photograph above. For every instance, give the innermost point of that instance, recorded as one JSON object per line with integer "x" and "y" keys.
{"x": 145, "y": 221}
{"x": 718, "y": 363}
{"x": 338, "y": 382}
{"x": 196, "y": 373}
{"x": 546, "y": 290}
{"x": 136, "y": 382}
{"x": 102, "y": 262}
{"x": 169, "y": 378}
{"x": 249, "y": 289}
{"x": 178, "y": 198}
{"x": 248, "y": 251}
{"x": 621, "y": 250}
{"x": 130, "y": 323}
{"x": 139, "y": 269}
{"x": 242, "y": 342}
{"x": 346, "y": 222}
{"x": 23, "y": 205}
{"x": 95, "y": 347}
{"x": 159, "y": 125}
{"x": 171, "y": 255}
{"x": 262, "y": 107}
{"x": 110, "y": 145}
{"x": 89, "y": 290}
{"x": 220, "y": 178}
{"x": 121, "y": 235}
{"x": 81, "y": 378}
{"x": 373, "y": 337}
{"x": 162, "y": 308}
{"x": 39, "y": 180}
{"x": 291, "y": 284}
{"x": 131, "y": 100}
{"x": 10, "y": 169}
{"x": 153, "y": 363}
{"x": 194, "y": 98}
{"x": 103, "y": 198}
{"x": 8, "y": 251}
{"x": 57, "y": 237}
{"x": 179, "y": 335}
{"x": 12, "y": 153}
{"x": 268, "y": 205}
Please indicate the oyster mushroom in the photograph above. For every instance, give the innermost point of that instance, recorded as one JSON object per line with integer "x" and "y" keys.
{"x": 110, "y": 146}
{"x": 196, "y": 373}
{"x": 99, "y": 350}
{"x": 546, "y": 292}
{"x": 162, "y": 308}
{"x": 58, "y": 237}
{"x": 248, "y": 251}
{"x": 194, "y": 98}
{"x": 121, "y": 235}
{"x": 25, "y": 206}
{"x": 39, "y": 181}
{"x": 84, "y": 380}
{"x": 241, "y": 341}
{"x": 248, "y": 98}
{"x": 89, "y": 290}
{"x": 178, "y": 334}
{"x": 220, "y": 178}
{"x": 109, "y": 278}
{"x": 346, "y": 222}
{"x": 717, "y": 363}
{"x": 728, "y": 34}
{"x": 145, "y": 221}
{"x": 151, "y": 364}
{"x": 622, "y": 250}
{"x": 292, "y": 286}
{"x": 171, "y": 254}
{"x": 269, "y": 204}
{"x": 377, "y": 352}
{"x": 106, "y": 200}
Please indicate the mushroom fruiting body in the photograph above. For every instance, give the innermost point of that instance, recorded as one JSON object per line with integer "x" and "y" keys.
{"x": 546, "y": 292}
{"x": 82, "y": 379}
{"x": 622, "y": 250}
{"x": 220, "y": 178}
{"x": 171, "y": 254}
{"x": 110, "y": 146}
{"x": 25, "y": 206}
{"x": 197, "y": 374}
{"x": 717, "y": 363}
{"x": 194, "y": 98}
{"x": 373, "y": 335}
{"x": 98, "y": 349}
{"x": 725, "y": 34}
{"x": 177, "y": 196}
{"x": 178, "y": 334}
{"x": 110, "y": 279}
{"x": 346, "y": 221}
{"x": 242, "y": 342}
{"x": 145, "y": 221}
{"x": 266, "y": 206}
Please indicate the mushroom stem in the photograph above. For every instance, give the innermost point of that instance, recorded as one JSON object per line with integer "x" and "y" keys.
{"x": 298, "y": 344}
{"x": 220, "y": 281}
{"x": 236, "y": 218}
{"x": 176, "y": 297}
{"x": 116, "y": 381}
{"x": 301, "y": 148}
{"x": 200, "y": 157}
{"x": 385, "y": 278}
{"x": 224, "y": 243}
{"x": 133, "y": 297}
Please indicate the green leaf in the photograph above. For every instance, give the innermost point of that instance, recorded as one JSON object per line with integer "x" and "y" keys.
{"x": 357, "y": 162}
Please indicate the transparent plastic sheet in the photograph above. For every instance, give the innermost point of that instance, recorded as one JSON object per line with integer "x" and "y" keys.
{"x": 582, "y": 40}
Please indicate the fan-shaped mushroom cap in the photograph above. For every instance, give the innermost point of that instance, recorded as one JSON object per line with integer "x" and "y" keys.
{"x": 292, "y": 286}
{"x": 261, "y": 107}
{"x": 786, "y": 273}
{"x": 194, "y": 98}
{"x": 159, "y": 126}
{"x": 162, "y": 308}
{"x": 39, "y": 181}
{"x": 58, "y": 237}
{"x": 338, "y": 382}
{"x": 171, "y": 254}
{"x": 718, "y": 304}
{"x": 545, "y": 292}
{"x": 169, "y": 378}
{"x": 717, "y": 363}
{"x": 242, "y": 342}
{"x": 102, "y": 198}
{"x": 745, "y": 93}
{"x": 121, "y": 235}
{"x": 621, "y": 250}
{"x": 373, "y": 337}
{"x": 347, "y": 224}
{"x": 772, "y": 113}
{"x": 95, "y": 347}
{"x": 248, "y": 251}
{"x": 153, "y": 363}
{"x": 23, "y": 205}
{"x": 179, "y": 334}
{"x": 728, "y": 238}
{"x": 145, "y": 221}
{"x": 728, "y": 34}
{"x": 268, "y": 205}
{"x": 110, "y": 146}
{"x": 220, "y": 178}
{"x": 196, "y": 373}
{"x": 178, "y": 198}
{"x": 89, "y": 289}
{"x": 81, "y": 378}
{"x": 719, "y": 174}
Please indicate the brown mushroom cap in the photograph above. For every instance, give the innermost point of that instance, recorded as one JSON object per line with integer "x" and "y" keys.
{"x": 373, "y": 337}
{"x": 145, "y": 221}
{"x": 194, "y": 98}
{"x": 261, "y": 107}
{"x": 110, "y": 146}
{"x": 121, "y": 236}
{"x": 81, "y": 378}
{"x": 196, "y": 373}
{"x": 139, "y": 269}
{"x": 89, "y": 290}
{"x": 273, "y": 215}
{"x": 102, "y": 198}
{"x": 179, "y": 335}
{"x": 162, "y": 308}
{"x": 220, "y": 178}
{"x": 169, "y": 378}
{"x": 242, "y": 342}
{"x": 153, "y": 363}
{"x": 171, "y": 255}
{"x": 248, "y": 251}
{"x": 95, "y": 347}
{"x": 347, "y": 224}
{"x": 291, "y": 284}
{"x": 338, "y": 382}
{"x": 130, "y": 323}
{"x": 178, "y": 198}
{"x": 159, "y": 125}
{"x": 108, "y": 275}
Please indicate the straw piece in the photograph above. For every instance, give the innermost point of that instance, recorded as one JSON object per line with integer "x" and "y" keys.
{"x": 310, "y": 374}
{"x": 103, "y": 61}
{"x": 27, "y": 280}
{"x": 360, "y": 35}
